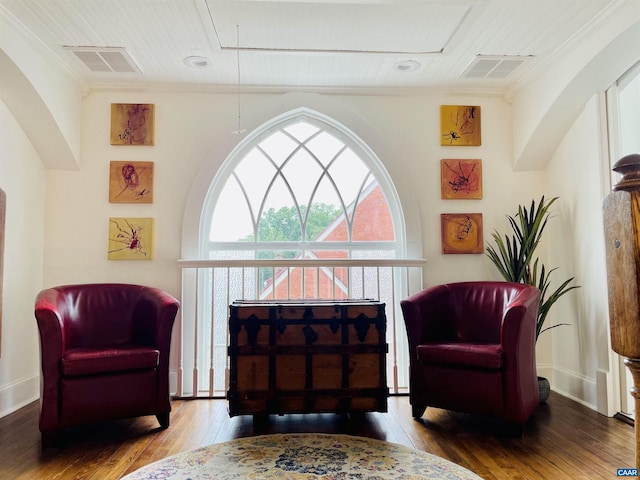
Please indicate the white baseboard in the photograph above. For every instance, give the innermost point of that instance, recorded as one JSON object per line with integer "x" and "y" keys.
{"x": 608, "y": 396}
{"x": 173, "y": 382}
{"x": 577, "y": 387}
{"x": 545, "y": 371}
{"x": 16, "y": 395}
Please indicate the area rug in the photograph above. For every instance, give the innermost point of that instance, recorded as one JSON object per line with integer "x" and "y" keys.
{"x": 303, "y": 456}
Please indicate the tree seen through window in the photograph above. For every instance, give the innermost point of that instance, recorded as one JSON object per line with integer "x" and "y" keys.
{"x": 301, "y": 190}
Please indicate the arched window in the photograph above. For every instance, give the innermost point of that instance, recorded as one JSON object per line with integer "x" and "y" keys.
{"x": 301, "y": 187}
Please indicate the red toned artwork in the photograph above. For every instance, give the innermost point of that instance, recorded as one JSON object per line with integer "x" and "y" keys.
{"x": 461, "y": 179}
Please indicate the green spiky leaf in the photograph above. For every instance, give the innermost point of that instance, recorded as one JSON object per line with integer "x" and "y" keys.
{"x": 514, "y": 257}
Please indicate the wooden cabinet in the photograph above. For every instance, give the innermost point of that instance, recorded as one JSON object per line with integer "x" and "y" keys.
{"x": 307, "y": 356}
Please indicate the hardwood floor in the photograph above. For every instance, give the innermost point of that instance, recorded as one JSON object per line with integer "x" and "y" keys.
{"x": 563, "y": 440}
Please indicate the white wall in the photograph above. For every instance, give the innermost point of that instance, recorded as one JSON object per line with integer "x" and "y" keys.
{"x": 22, "y": 177}
{"x": 580, "y": 351}
{"x": 560, "y": 126}
{"x": 42, "y": 97}
{"x": 39, "y": 127}
{"x": 549, "y": 101}
{"x": 193, "y": 139}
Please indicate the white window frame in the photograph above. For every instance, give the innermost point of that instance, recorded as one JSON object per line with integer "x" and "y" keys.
{"x": 616, "y": 125}
{"x": 398, "y": 245}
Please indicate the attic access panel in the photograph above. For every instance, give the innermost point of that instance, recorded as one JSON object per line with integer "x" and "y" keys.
{"x": 349, "y": 27}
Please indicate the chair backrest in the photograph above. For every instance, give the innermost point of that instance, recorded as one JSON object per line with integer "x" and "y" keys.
{"x": 96, "y": 315}
{"x": 477, "y": 309}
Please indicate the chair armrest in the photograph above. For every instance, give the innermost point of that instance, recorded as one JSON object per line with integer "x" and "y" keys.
{"x": 49, "y": 317}
{"x": 154, "y": 315}
{"x": 426, "y": 316}
{"x": 518, "y": 345}
{"x": 519, "y": 321}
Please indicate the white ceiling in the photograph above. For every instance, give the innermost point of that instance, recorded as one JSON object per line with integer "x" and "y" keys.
{"x": 322, "y": 44}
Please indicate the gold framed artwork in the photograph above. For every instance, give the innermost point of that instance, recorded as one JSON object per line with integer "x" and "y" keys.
{"x": 130, "y": 239}
{"x": 460, "y": 125}
{"x": 460, "y": 179}
{"x": 130, "y": 182}
{"x": 132, "y": 123}
{"x": 461, "y": 233}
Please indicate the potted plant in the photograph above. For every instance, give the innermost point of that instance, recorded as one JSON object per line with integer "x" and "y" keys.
{"x": 514, "y": 257}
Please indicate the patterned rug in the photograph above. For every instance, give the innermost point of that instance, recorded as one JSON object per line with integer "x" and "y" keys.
{"x": 303, "y": 456}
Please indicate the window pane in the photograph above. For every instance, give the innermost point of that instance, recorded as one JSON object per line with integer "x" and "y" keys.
{"x": 348, "y": 171}
{"x": 232, "y": 255}
{"x": 278, "y": 146}
{"x": 230, "y": 224}
{"x": 254, "y": 173}
{"x": 303, "y": 172}
{"x": 373, "y": 254}
{"x": 280, "y": 220}
{"x": 372, "y": 282}
{"x": 630, "y": 117}
{"x": 325, "y": 147}
{"x": 282, "y": 225}
{"x": 372, "y": 219}
{"x": 327, "y": 193}
{"x": 301, "y": 130}
{"x": 326, "y": 212}
{"x": 323, "y": 223}
{"x": 278, "y": 196}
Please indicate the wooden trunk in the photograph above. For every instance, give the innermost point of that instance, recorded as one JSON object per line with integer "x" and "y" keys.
{"x": 307, "y": 356}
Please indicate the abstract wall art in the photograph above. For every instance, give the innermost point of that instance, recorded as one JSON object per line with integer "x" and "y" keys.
{"x": 130, "y": 239}
{"x": 460, "y": 125}
{"x": 461, "y": 233}
{"x": 130, "y": 182}
{"x": 132, "y": 123}
{"x": 461, "y": 179}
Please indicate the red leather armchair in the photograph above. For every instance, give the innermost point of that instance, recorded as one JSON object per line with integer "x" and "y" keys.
{"x": 104, "y": 354}
{"x": 472, "y": 349}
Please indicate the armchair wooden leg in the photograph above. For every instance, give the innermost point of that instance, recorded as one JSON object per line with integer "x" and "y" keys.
{"x": 163, "y": 418}
{"x": 418, "y": 410}
{"x": 516, "y": 429}
{"x": 49, "y": 439}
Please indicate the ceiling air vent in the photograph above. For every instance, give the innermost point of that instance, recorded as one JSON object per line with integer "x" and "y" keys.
{"x": 106, "y": 59}
{"x": 485, "y": 66}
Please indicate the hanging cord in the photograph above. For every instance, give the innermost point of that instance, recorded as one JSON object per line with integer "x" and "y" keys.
{"x": 239, "y": 130}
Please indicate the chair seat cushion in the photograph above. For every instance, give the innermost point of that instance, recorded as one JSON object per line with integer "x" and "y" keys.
{"x": 91, "y": 361}
{"x": 477, "y": 355}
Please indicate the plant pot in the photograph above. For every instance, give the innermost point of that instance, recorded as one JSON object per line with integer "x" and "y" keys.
{"x": 545, "y": 389}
